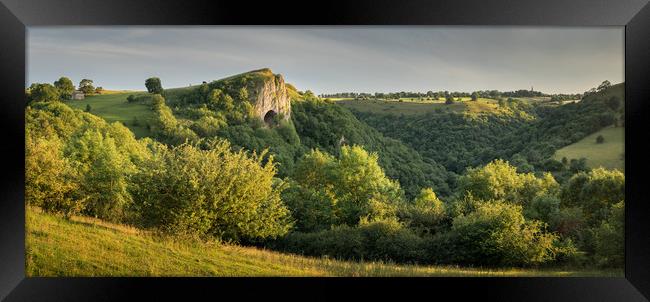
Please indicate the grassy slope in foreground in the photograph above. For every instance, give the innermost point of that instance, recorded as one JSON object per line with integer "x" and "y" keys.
{"x": 114, "y": 108}
{"x": 90, "y": 247}
{"x": 608, "y": 154}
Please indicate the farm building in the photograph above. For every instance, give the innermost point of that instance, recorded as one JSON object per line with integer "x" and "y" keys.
{"x": 77, "y": 95}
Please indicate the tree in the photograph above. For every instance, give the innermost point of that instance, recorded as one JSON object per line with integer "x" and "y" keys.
{"x": 153, "y": 85}
{"x": 449, "y": 99}
{"x": 86, "y": 86}
{"x": 99, "y": 90}
{"x": 600, "y": 139}
{"x": 499, "y": 180}
{"x": 474, "y": 96}
{"x": 65, "y": 87}
{"x": 604, "y": 85}
{"x": 348, "y": 188}
{"x": 42, "y": 93}
{"x": 88, "y": 108}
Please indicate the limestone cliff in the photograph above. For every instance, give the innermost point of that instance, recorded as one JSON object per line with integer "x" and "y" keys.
{"x": 270, "y": 98}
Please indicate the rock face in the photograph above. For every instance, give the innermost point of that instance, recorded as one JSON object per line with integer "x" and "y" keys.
{"x": 270, "y": 99}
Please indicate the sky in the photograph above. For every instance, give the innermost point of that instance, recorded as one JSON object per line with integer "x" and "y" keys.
{"x": 328, "y": 59}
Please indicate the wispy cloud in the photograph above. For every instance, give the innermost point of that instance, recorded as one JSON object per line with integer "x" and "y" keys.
{"x": 328, "y": 59}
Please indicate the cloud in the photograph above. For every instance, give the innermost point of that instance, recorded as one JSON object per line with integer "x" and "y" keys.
{"x": 336, "y": 58}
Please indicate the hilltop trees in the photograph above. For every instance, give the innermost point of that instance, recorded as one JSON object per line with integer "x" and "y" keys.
{"x": 38, "y": 92}
{"x": 65, "y": 87}
{"x": 86, "y": 86}
{"x": 153, "y": 85}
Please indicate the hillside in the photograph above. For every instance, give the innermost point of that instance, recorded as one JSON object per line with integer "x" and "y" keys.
{"x": 113, "y": 107}
{"x": 465, "y": 134}
{"x": 90, "y": 247}
{"x": 609, "y": 154}
{"x": 318, "y": 124}
{"x": 417, "y": 107}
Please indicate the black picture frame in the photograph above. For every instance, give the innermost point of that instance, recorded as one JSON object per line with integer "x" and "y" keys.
{"x": 16, "y": 15}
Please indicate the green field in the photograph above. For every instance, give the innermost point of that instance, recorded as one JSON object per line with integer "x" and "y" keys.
{"x": 415, "y": 106}
{"x": 90, "y": 247}
{"x": 114, "y": 108}
{"x": 608, "y": 154}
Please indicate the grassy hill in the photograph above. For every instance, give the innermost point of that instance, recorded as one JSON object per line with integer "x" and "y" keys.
{"x": 85, "y": 246}
{"x": 114, "y": 107}
{"x": 608, "y": 154}
{"x": 419, "y": 107}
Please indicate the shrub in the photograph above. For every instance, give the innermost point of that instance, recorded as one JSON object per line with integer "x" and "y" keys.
{"x": 426, "y": 214}
{"x": 210, "y": 192}
{"x": 595, "y": 191}
{"x": 495, "y": 234}
{"x": 499, "y": 180}
{"x": 543, "y": 208}
{"x": 385, "y": 240}
{"x": 349, "y": 188}
{"x": 87, "y": 165}
{"x": 50, "y": 180}
{"x": 610, "y": 239}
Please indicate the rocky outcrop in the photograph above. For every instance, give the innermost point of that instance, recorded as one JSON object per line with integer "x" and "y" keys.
{"x": 270, "y": 98}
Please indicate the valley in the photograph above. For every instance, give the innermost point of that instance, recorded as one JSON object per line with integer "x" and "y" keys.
{"x": 250, "y": 176}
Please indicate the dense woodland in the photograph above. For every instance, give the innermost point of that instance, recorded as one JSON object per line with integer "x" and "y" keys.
{"x": 446, "y": 188}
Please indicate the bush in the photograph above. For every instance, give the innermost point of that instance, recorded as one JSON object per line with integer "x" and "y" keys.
{"x": 349, "y": 188}
{"x": 385, "y": 240}
{"x": 142, "y": 98}
{"x": 427, "y": 213}
{"x": 87, "y": 165}
{"x": 50, "y": 180}
{"x": 210, "y": 192}
{"x": 595, "y": 191}
{"x": 610, "y": 239}
{"x": 499, "y": 180}
{"x": 495, "y": 234}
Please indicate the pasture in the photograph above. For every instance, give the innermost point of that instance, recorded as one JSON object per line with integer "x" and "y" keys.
{"x": 415, "y": 106}
{"x": 113, "y": 107}
{"x": 608, "y": 154}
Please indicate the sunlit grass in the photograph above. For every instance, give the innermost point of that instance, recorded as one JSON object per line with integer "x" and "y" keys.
{"x": 609, "y": 154}
{"x": 415, "y": 106}
{"x": 113, "y": 107}
{"x": 85, "y": 246}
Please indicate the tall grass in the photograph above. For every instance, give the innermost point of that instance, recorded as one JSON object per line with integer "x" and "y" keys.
{"x": 85, "y": 246}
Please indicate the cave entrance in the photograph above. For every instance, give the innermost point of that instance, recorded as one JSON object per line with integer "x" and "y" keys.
{"x": 270, "y": 118}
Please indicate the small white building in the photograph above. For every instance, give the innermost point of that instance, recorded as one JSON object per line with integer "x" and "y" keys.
{"x": 77, "y": 95}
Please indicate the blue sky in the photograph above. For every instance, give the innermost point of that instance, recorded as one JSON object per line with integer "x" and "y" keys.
{"x": 328, "y": 59}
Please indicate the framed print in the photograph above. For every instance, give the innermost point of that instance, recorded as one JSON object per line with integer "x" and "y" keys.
{"x": 493, "y": 149}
